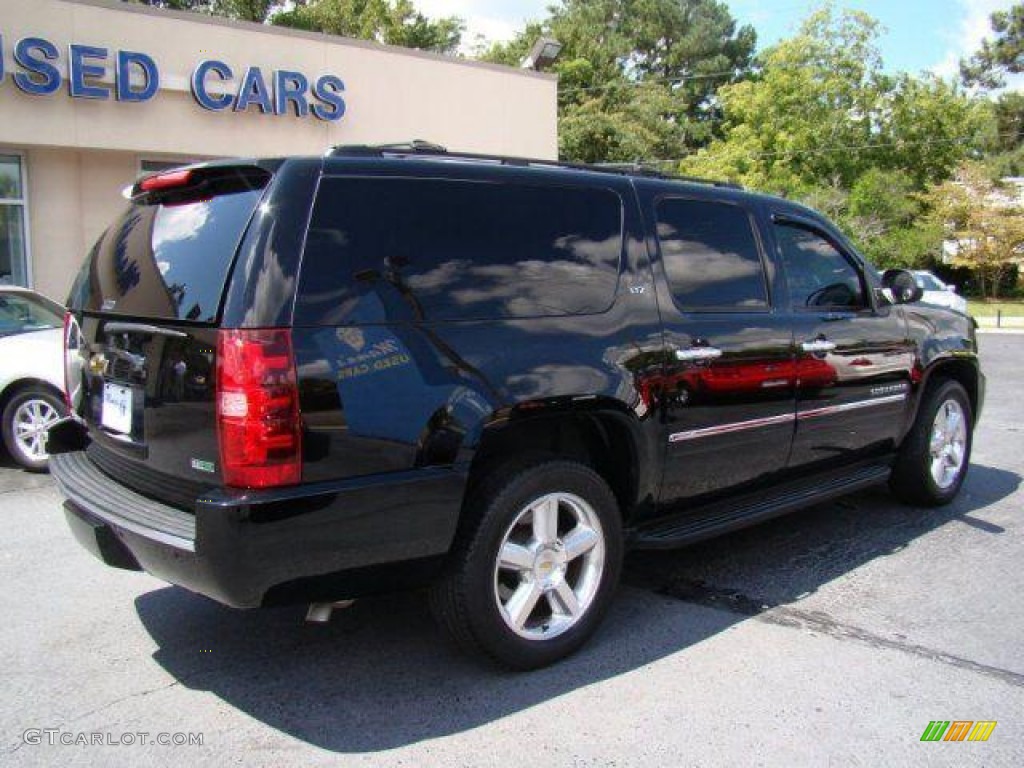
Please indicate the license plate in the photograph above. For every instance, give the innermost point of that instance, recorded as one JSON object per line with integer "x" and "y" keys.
{"x": 117, "y": 408}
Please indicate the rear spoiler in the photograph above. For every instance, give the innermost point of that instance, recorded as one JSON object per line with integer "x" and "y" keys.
{"x": 197, "y": 182}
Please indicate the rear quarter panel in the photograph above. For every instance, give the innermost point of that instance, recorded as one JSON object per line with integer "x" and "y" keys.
{"x": 392, "y": 397}
{"x": 36, "y": 356}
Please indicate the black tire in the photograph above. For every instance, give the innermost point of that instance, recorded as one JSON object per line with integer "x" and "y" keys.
{"x": 47, "y": 401}
{"x": 466, "y": 600}
{"x": 912, "y": 480}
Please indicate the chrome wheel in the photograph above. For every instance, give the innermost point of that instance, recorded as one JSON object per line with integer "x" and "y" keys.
{"x": 32, "y": 419}
{"x": 549, "y": 566}
{"x": 947, "y": 447}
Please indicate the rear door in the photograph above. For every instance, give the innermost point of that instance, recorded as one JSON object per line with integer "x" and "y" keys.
{"x": 853, "y": 351}
{"x": 145, "y": 306}
{"x": 728, "y": 387}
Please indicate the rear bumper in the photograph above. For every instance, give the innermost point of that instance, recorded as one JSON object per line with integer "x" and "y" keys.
{"x": 321, "y": 541}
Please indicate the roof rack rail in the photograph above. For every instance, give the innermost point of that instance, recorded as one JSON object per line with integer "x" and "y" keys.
{"x": 403, "y": 147}
{"x": 641, "y": 169}
{"x": 631, "y": 169}
{"x": 427, "y": 149}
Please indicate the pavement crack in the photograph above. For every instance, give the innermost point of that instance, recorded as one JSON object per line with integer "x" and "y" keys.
{"x": 121, "y": 700}
{"x": 734, "y": 601}
{"x": 103, "y": 707}
{"x": 820, "y": 622}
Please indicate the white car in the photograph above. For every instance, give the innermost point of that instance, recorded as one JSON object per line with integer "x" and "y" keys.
{"x": 31, "y": 373}
{"x": 939, "y": 293}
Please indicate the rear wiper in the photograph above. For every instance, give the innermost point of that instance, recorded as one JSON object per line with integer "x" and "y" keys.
{"x": 143, "y": 328}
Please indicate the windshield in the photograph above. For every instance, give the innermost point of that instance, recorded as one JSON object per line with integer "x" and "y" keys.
{"x": 21, "y": 312}
{"x": 929, "y": 282}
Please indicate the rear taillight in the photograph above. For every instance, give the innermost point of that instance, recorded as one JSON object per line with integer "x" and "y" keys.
{"x": 258, "y": 423}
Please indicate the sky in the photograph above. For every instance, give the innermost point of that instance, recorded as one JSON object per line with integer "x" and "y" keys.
{"x": 919, "y": 35}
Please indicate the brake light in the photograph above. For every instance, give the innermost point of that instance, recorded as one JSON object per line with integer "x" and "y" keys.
{"x": 168, "y": 180}
{"x": 258, "y": 425}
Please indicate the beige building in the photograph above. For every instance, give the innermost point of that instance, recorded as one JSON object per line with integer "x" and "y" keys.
{"x": 95, "y": 92}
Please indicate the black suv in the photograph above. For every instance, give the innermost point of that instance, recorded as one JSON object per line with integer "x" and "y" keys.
{"x": 314, "y": 379}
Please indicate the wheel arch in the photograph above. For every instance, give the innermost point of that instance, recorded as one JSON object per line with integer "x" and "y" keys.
{"x": 962, "y": 369}
{"x": 18, "y": 386}
{"x": 604, "y": 437}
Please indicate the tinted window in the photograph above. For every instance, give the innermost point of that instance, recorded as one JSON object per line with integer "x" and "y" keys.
{"x": 424, "y": 249}
{"x": 711, "y": 255}
{"x": 166, "y": 261}
{"x": 818, "y": 275}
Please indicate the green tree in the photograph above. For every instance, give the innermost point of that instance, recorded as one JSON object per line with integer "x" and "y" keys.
{"x": 1001, "y": 55}
{"x": 985, "y": 223}
{"x": 1009, "y": 117}
{"x": 246, "y": 10}
{"x": 176, "y": 5}
{"x": 394, "y": 22}
{"x": 888, "y": 220}
{"x": 637, "y": 78}
{"x": 1005, "y": 148}
{"x": 822, "y": 112}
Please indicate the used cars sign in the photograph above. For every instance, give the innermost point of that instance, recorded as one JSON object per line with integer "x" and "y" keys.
{"x": 136, "y": 78}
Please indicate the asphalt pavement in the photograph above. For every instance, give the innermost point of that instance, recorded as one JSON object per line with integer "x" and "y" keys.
{"x": 830, "y": 637}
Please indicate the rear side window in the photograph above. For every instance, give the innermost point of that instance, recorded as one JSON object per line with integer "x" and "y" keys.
{"x": 711, "y": 256}
{"x": 166, "y": 261}
{"x": 387, "y": 250}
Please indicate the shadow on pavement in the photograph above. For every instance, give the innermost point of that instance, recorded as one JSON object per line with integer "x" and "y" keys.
{"x": 381, "y": 675}
{"x": 789, "y": 558}
{"x": 6, "y": 462}
{"x": 14, "y": 478}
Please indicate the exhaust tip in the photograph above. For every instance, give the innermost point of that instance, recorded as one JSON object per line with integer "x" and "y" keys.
{"x": 320, "y": 613}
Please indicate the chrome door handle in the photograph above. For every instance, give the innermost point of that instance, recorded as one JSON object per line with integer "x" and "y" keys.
{"x": 698, "y": 353}
{"x": 818, "y": 346}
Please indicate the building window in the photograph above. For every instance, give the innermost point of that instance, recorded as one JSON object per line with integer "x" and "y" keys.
{"x": 13, "y": 250}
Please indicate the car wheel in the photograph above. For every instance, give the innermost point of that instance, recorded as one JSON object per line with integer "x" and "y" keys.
{"x": 532, "y": 579}
{"x": 26, "y": 419}
{"x": 934, "y": 458}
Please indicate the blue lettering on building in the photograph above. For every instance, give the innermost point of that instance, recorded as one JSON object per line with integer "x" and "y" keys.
{"x": 254, "y": 91}
{"x": 79, "y": 69}
{"x": 214, "y": 86}
{"x": 128, "y": 61}
{"x": 40, "y": 78}
{"x": 289, "y": 88}
{"x": 328, "y": 90}
{"x": 199, "y": 81}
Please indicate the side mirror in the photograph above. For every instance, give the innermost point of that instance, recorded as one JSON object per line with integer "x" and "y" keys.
{"x": 951, "y": 288}
{"x": 902, "y": 286}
